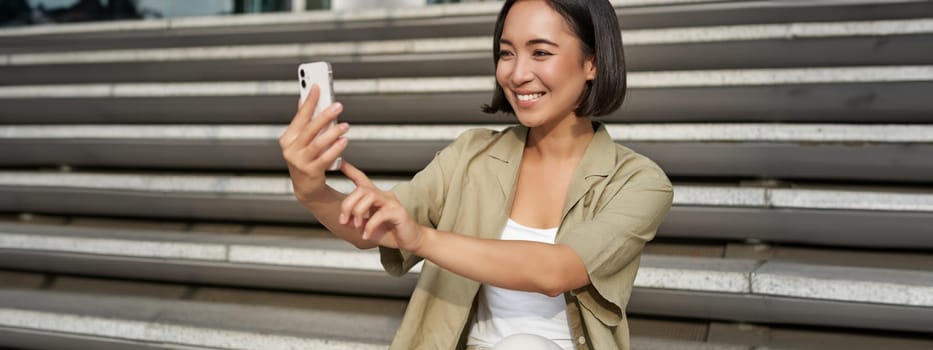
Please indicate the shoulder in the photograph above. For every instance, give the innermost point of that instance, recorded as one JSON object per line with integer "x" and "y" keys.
{"x": 485, "y": 136}
{"x": 477, "y": 140}
{"x": 621, "y": 165}
{"x": 632, "y": 165}
{"x": 474, "y": 137}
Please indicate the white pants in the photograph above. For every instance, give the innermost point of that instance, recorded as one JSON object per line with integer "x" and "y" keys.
{"x": 521, "y": 342}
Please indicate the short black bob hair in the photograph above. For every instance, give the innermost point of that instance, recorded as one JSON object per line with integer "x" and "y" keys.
{"x": 596, "y": 25}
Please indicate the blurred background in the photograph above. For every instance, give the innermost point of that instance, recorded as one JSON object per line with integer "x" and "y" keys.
{"x": 26, "y": 12}
{"x": 144, "y": 202}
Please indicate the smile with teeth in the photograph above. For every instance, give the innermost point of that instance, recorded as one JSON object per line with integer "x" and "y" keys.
{"x": 529, "y": 97}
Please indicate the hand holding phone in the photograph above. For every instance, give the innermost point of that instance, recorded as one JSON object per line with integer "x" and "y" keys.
{"x": 318, "y": 73}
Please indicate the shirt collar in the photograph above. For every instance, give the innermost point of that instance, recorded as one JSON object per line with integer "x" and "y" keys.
{"x": 597, "y": 162}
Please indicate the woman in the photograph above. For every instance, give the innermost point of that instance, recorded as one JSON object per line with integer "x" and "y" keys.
{"x": 530, "y": 234}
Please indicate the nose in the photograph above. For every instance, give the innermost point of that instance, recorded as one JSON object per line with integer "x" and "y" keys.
{"x": 522, "y": 72}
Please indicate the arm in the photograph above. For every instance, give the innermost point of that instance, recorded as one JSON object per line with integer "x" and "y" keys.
{"x": 518, "y": 265}
{"x": 611, "y": 242}
{"x": 308, "y": 153}
{"x": 601, "y": 252}
{"x": 325, "y": 206}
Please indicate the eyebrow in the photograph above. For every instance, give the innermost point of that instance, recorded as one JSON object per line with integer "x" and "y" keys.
{"x": 531, "y": 42}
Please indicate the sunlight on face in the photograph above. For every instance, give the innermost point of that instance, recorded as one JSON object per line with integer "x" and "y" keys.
{"x": 541, "y": 67}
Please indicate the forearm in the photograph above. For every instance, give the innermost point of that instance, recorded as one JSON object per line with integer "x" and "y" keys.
{"x": 325, "y": 206}
{"x": 518, "y": 265}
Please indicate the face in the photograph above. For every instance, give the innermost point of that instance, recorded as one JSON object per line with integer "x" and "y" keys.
{"x": 541, "y": 66}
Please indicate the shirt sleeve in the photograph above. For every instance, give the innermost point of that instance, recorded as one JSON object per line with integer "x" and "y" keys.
{"x": 610, "y": 244}
{"x": 423, "y": 198}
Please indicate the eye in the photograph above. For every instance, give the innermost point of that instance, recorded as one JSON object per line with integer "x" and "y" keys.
{"x": 541, "y": 53}
{"x": 505, "y": 53}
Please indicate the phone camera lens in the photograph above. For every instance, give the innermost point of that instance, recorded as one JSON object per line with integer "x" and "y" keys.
{"x": 303, "y": 84}
{"x": 302, "y": 73}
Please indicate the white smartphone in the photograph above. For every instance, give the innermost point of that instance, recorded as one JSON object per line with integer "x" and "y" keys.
{"x": 318, "y": 73}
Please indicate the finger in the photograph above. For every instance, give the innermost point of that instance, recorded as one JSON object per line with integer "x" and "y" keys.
{"x": 326, "y": 140}
{"x": 376, "y": 234}
{"x": 372, "y": 235}
{"x": 318, "y": 123}
{"x": 384, "y": 238}
{"x": 306, "y": 109}
{"x": 356, "y": 175}
{"x": 347, "y": 205}
{"x": 329, "y": 156}
{"x": 361, "y": 211}
{"x": 303, "y": 116}
{"x": 377, "y": 226}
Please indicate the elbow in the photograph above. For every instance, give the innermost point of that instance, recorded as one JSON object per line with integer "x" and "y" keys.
{"x": 569, "y": 273}
{"x": 552, "y": 286}
{"x": 555, "y": 284}
{"x": 554, "y": 293}
{"x": 363, "y": 245}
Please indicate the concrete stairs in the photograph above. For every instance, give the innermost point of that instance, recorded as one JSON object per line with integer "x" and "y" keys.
{"x": 144, "y": 203}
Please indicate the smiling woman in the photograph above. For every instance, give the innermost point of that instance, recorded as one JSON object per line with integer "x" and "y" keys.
{"x": 532, "y": 235}
{"x": 590, "y": 43}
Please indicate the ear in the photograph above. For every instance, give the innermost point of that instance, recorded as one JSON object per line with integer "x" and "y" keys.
{"x": 589, "y": 67}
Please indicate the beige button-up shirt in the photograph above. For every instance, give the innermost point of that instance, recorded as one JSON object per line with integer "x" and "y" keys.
{"x": 616, "y": 201}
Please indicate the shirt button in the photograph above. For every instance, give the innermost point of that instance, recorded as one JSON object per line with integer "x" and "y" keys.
{"x": 581, "y": 340}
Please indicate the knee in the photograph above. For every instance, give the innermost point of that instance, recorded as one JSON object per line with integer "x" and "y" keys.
{"x": 526, "y": 342}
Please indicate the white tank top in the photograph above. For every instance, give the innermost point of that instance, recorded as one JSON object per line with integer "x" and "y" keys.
{"x": 504, "y": 312}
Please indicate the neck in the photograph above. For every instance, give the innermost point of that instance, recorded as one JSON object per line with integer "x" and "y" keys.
{"x": 567, "y": 139}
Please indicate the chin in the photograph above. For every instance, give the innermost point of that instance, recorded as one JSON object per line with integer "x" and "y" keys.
{"x": 528, "y": 121}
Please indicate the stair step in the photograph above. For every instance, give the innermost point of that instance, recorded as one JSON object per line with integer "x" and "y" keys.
{"x": 909, "y": 259}
{"x": 268, "y": 261}
{"x": 228, "y": 319}
{"x": 890, "y": 94}
{"x": 785, "y": 151}
{"x": 892, "y": 259}
{"x": 324, "y": 264}
{"x": 431, "y": 21}
{"x": 72, "y": 315}
{"x": 776, "y": 337}
{"x": 190, "y": 323}
{"x": 842, "y": 215}
{"x": 718, "y": 47}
